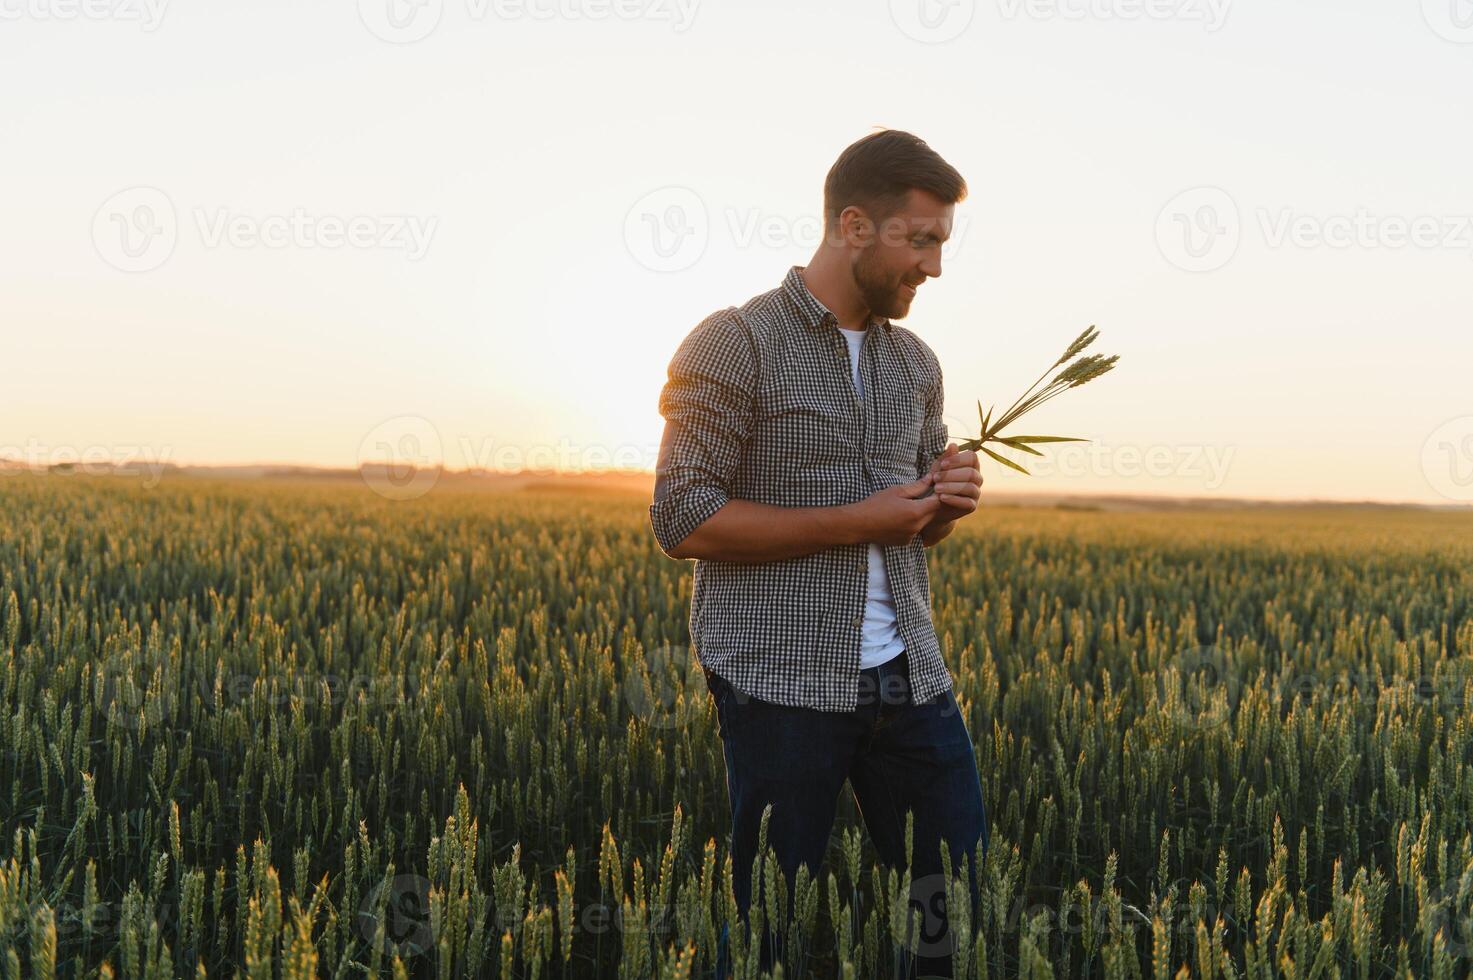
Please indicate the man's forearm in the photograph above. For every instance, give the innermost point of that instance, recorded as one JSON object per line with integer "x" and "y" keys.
{"x": 936, "y": 530}
{"x": 746, "y": 531}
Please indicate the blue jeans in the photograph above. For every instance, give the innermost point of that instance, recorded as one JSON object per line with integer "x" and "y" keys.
{"x": 897, "y": 756}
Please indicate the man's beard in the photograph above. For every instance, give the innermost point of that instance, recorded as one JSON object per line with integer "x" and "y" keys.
{"x": 880, "y": 293}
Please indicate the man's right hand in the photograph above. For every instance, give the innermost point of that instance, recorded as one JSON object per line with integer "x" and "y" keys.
{"x": 896, "y": 514}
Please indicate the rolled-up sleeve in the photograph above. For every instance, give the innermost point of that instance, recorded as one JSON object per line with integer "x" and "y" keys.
{"x": 933, "y": 429}
{"x": 707, "y": 403}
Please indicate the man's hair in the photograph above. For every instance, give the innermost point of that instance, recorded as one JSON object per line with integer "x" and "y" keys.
{"x": 878, "y": 172}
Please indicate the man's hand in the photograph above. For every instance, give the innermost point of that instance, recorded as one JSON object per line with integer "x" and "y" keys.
{"x": 896, "y": 514}
{"x": 958, "y": 479}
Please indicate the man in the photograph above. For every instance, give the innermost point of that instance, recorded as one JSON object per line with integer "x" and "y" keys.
{"x": 804, "y": 466}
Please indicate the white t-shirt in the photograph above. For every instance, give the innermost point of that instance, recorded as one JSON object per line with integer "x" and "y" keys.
{"x": 880, "y": 637}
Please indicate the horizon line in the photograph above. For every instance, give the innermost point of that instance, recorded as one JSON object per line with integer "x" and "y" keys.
{"x": 112, "y": 468}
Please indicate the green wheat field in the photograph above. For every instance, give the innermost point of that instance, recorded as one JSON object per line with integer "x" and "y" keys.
{"x": 286, "y": 729}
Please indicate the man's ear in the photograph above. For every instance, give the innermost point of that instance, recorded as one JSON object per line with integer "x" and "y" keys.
{"x": 855, "y": 226}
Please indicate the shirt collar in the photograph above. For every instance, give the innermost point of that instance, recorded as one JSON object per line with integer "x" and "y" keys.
{"x": 814, "y": 313}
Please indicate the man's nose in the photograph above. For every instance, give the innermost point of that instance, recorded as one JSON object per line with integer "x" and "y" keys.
{"x": 932, "y": 266}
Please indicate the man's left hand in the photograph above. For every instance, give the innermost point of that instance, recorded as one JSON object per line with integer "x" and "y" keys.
{"x": 958, "y": 483}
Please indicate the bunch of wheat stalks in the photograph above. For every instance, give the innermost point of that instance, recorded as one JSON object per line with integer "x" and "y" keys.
{"x": 1081, "y": 371}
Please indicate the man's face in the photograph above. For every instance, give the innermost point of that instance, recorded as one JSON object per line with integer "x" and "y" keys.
{"x": 901, "y": 252}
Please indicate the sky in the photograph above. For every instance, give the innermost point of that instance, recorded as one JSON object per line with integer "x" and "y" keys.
{"x": 475, "y": 231}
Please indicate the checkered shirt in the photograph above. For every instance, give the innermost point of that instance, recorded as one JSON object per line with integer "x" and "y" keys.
{"x": 760, "y": 405}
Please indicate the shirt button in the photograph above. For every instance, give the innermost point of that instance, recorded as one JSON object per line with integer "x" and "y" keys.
{"x": 858, "y": 620}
